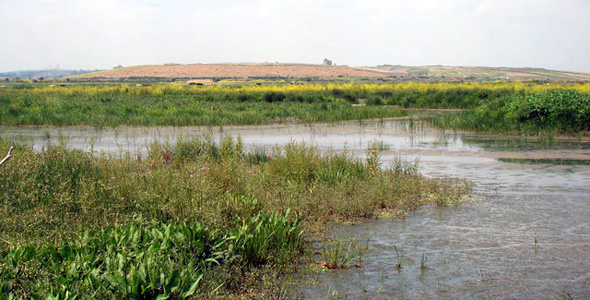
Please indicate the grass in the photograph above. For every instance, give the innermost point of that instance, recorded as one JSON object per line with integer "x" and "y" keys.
{"x": 195, "y": 219}
{"x": 177, "y": 106}
{"x": 339, "y": 255}
{"x": 423, "y": 265}
{"x": 178, "y": 111}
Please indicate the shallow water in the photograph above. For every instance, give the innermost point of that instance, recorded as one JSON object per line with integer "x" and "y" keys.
{"x": 525, "y": 235}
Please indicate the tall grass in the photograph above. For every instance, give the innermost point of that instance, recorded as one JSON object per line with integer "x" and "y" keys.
{"x": 113, "y": 107}
{"x": 193, "y": 219}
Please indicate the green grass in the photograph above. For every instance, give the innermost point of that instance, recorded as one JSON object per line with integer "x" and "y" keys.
{"x": 176, "y": 105}
{"x": 194, "y": 219}
{"x": 114, "y": 107}
{"x": 338, "y": 254}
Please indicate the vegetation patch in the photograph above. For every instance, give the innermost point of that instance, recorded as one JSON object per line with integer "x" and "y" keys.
{"x": 195, "y": 219}
{"x": 553, "y": 111}
{"x": 178, "y": 105}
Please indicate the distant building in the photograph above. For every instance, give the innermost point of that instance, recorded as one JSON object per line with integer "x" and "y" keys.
{"x": 328, "y": 62}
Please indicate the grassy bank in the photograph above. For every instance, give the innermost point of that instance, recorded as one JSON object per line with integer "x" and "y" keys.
{"x": 565, "y": 112}
{"x": 177, "y": 105}
{"x": 192, "y": 220}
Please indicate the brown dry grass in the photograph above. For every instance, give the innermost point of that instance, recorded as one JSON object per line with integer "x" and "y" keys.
{"x": 234, "y": 71}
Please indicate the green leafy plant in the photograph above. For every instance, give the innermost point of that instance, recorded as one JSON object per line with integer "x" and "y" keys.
{"x": 338, "y": 254}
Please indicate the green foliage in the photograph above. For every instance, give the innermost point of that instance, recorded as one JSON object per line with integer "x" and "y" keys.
{"x": 262, "y": 238}
{"x": 559, "y": 111}
{"x": 147, "y": 260}
{"x": 446, "y": 98}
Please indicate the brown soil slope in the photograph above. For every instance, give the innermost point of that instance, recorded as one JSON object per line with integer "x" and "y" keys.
{"x": 234, "y": 71}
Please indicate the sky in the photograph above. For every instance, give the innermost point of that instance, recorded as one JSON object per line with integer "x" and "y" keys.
{"x": 73, "y": 34}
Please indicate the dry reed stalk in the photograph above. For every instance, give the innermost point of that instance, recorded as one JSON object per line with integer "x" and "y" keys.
{"x": 8, "y": 156}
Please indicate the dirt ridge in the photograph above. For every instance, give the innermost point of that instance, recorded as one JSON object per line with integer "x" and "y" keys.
{"x": 241, "y": 70}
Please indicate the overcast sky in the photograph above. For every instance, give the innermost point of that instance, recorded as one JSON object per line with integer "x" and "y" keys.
{"x": 101, "y": 34}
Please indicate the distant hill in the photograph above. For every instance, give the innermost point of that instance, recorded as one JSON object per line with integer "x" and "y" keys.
{"x": 285, "y": 70}
{"x": 224, "y": 71}
{"x": 454, "y": 73}
{"x": 212, "y": 72}
{"x": 46, "y": 74}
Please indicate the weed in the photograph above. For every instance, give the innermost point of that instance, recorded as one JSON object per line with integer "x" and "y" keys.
{"x": 423, "y": 260}
{"x": 372, "y": 155}
{"x": 338, "y": 255}
{"x": 405, "y": 167}
{"x": 399, "y": 257}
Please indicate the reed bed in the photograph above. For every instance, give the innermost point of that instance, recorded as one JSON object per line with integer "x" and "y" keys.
{"x": 195, "y": 219}
{"x": 177, "y": 105}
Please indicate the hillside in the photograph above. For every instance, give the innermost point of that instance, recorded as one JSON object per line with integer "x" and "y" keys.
{"x": 221, "y": 71}
{"x": 241, "y": 71}
{"x": 457, "y": 73}
{"x": 46, "y": 74}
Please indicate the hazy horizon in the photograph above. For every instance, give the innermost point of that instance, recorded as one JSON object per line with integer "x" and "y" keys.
{"x": 68, "y": 34}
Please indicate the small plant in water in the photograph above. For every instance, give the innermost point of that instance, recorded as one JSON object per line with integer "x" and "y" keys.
{"x": 423, "y": 266}
{"x": 482, "y": 275}
{"x": 332, "y": 294}
{"x": 399, "y": 256}
{"x": 400, "y": 165}
{"x": 338, "y": 255}
{"x": 565, "y": 295}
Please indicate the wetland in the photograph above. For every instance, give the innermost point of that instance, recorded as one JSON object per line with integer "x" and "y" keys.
{"x": 295, "y": 191}
{"x": 522, "y": 233}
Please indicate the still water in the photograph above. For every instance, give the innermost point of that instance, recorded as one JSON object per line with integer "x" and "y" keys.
{"x": 525, "y": 234}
